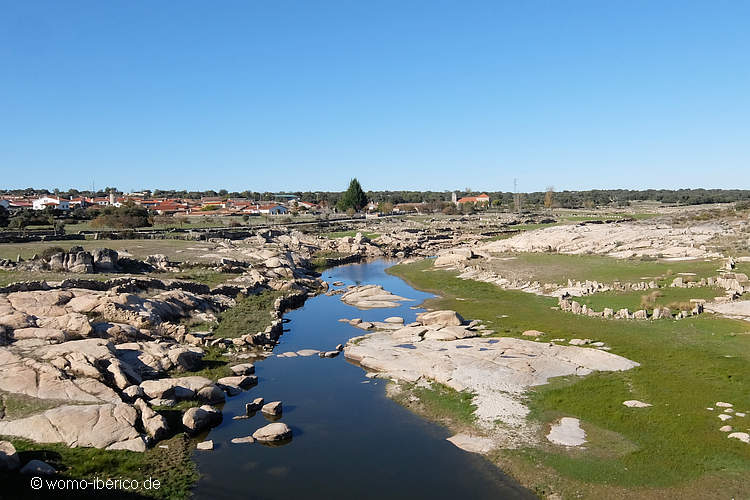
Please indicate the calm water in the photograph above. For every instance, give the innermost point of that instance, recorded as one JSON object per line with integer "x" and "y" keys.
{"x": 350, "y": 440}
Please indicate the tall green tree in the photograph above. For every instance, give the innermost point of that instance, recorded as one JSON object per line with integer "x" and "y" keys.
{"x": 354, "y": 197}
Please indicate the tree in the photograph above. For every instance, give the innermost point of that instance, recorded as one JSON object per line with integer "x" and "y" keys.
{"x": 385, "y": 207}
{"x": 128, "y": 216}
{"x": 467, "y": 208}
{"x": 549, "y": 197}
{"x": 354, "y": 197}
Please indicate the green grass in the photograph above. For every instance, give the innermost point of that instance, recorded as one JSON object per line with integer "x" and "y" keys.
{"x": 250, "y": 315}
{"x": 174, "y": 249}
{"x": 214, "y": 366}
{"x": 14, "y": 406}
{"x": 352, "y": 233}
{"x": 686, "y": 366}
{"x": 558, "y": 268}
{"x": 172, "y": 467}
{"x": 675, "y": 298}
{"x": 439, "y": 402}
{"x": 532, "y": 227}
{"x": 205, "y": 276}
{"x": 319, "y": 261}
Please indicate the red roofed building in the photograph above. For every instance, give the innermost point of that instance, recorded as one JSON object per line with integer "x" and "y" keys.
{"x": 476, "y": 200}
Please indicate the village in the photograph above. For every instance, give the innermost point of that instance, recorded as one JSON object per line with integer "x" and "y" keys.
{"x": 214, "y": 205}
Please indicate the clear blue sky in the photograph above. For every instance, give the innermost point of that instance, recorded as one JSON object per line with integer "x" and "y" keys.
{"x": 281, "y": 95}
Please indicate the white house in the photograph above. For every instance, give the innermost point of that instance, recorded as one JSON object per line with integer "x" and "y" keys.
{"x": 46, "y": 201}
{"x": 272, "y": 209}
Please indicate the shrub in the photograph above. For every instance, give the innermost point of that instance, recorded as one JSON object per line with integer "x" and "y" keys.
{"x": 129, "y": 216}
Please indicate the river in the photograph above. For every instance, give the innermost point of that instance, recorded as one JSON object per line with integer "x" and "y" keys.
{"x": 350, "y": 440}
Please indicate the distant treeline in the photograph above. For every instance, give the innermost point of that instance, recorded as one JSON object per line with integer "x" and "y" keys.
{"x": 565, "y": 199}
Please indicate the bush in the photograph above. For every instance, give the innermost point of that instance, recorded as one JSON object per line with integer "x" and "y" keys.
{"x": 129, "y": 216}
{"x": 26, "y": 218}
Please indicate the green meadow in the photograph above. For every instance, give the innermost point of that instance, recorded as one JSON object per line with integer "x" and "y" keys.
{"x": 673, "y": 449}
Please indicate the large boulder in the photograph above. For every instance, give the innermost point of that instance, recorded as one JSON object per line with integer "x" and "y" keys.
{"x": 154, "y": 424}
{"x": 453, "y": 257}
{"x": 50, "y": 335}
{"x": 73, "y": 324}
{"x": 105, "y": 260}
{"x": 274, "y": 432}
{"x": 45, "y": 381}
{"x": 110, "y": 426}
{"x": 179, "y": 387}
{"x": 440, "y": 318}
{"x": 199, "y": 418}
{"x": 16, "y": 319}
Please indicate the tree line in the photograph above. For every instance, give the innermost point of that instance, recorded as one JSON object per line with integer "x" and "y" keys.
{"x": 564, "y": 199}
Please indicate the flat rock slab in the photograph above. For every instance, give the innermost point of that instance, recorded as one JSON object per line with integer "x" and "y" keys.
{"x": 737, "y": 309}
{"x": 634, "y": 403}
{"x": 473, "y": 444}
{"x": 243, "y": 369}
{"x": 307, "y": 352}
{"x": 498, "y": 371}
{"x": 532, "y": 333}
{"x": 370, "y": 297}
{"x": 243, "y": 440}
{"x": 634, "y": 239}
{"x": 742, "y": 436}
{"x": 109, "y": 426}
{"x": 567, "y": 432}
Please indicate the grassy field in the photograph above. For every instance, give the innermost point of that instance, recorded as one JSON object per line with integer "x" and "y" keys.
{"x": 205, "y": 276}
{"x": 672, "y": 449}
{"x": 352, "y": 233}
{"x": 558, "y": 268}
{"x": 250, "y": 315}
{"x": 174, "y": 249}
{"x": 439, "y": 402}
{"x": 674, "y": 298}
{"x": 171, "y": 466}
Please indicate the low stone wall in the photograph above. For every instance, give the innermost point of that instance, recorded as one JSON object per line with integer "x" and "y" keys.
{"x": 16, "y": 237}
{"x": 575, "y": 307}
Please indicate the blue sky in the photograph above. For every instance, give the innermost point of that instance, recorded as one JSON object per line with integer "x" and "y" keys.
{"x": 404, "y": 94}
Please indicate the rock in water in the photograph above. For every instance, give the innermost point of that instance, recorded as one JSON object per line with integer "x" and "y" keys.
{"x": 205, "y": 445}
{"x": 9, "y": 460}
{"x": 256, "y": 405}
{"x": 196, "y": 419}
{"x": 243, "y": 440}
{"x": 270, "y": 433}
{"x": 272, "y": 408}
{"x": 243, "y": 369}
